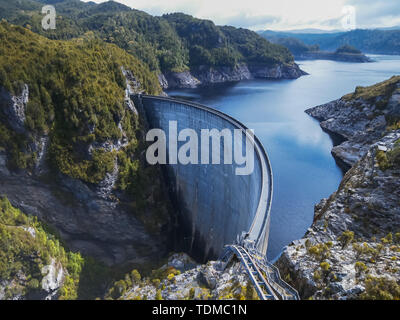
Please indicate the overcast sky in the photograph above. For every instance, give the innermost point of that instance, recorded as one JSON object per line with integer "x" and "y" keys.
{"x": 278, "y": 14}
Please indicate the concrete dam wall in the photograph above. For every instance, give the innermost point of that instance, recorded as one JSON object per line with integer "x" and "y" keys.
{"x": 214, "y": 205}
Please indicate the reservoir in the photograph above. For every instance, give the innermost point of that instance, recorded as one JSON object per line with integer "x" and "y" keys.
{"x": 300, "y": 152}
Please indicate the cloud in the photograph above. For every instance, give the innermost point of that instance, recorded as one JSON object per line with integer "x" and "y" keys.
{"x": 273, "y": 14}
{"x": 246, "y": 20}
{"x": 374, "y": 13}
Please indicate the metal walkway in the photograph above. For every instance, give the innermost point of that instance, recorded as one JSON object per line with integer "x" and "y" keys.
{"x": 264, "y": 276}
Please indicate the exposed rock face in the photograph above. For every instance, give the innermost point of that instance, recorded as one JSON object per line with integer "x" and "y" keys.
{"x": 356, "y": 123}
{"x": 179, "y": 80}
{"x": 104, "y": 228}
{"x": 53, "y": 276}
{"x": 198, "y": 282}
{"x": 14, "y": 107}
{"x": 277, "y": 72}
{"x": 205, "y": 75}
{"x": 365, "y": 204}
{"x": 52, "y": 281}
{"x": 163, "y": 81}
{"x": 96, "y": 220}
{"x": 355, "y": 236}
{"x": 222, "y": 74}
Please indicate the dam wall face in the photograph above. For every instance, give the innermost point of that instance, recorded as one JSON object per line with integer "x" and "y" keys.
{"x": 214, "y": 205}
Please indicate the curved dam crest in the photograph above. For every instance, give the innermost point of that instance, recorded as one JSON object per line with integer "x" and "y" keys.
{"x": 214, "y": 205}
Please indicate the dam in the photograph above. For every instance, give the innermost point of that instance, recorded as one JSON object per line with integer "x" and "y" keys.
{"x": 215, "y": 207}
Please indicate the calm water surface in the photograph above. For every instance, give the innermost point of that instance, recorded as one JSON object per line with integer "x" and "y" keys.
{"x": 300, "y": 152}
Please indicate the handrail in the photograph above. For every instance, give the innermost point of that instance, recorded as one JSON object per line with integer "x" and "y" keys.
{"x": 259, "y": 230}
{"x": 276, "y": 279}
{"x": 275, "y": 286}
{"x": 244, "y": 256}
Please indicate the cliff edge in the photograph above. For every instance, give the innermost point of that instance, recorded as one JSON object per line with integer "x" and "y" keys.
{"x": 352, "y": 250}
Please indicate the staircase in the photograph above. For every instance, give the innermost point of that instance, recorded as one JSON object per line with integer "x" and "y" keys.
{"x": 264, "y": 275}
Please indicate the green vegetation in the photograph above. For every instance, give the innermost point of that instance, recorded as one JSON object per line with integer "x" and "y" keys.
{"x": 173, "y": 42}
{"x": 360, "y": 268}
{"x": 347, "y": 49}
{"x": 346, "y": 238}
{"x": 368, "y": 253}
{"x": 26, "y": 247}
{"x": 325, "y": 266}
{"x": 378, "y": 93}
{"x": 296, "y": 46}
{"x": 370, "y": 41}
{"x": 381, "y": 289}
{"x": 388, "y": 160}
{"x": 76, "y": 95}
{"x": 321, "y": 251}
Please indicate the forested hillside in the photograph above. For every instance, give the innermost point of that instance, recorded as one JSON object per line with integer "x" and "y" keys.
{"x": 76, "y": 91}
{"x": 169, "y": 43}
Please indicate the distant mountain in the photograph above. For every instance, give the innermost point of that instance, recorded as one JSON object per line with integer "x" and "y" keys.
{"x": 312, "y": 31}
{"x": 295, "y": 46}
{"x": 369, "y": 41}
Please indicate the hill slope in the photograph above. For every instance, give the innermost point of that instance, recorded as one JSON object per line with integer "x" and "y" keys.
{"x": 71, "y": 144}
{"x": 171, "y": 45}
{"x": 352, "y": 250}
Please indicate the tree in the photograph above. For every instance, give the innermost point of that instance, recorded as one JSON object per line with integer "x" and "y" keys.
{"x": 346, "y": 238}
{"x": 136, "y": 277}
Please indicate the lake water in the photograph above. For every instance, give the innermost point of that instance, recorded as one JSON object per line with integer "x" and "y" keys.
{"x": 300, "y": 152}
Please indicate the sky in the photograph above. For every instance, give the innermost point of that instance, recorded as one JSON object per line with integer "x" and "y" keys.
{"x": 281, "y": 14}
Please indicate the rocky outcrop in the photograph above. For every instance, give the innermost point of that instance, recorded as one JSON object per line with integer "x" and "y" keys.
{"x": 352, "y": 250}
{"x": 21, "y": 286}
{"x": 54, "y": 275}
{"x": 205, "y": 75}
{"x": 182, "y": 80}
{"x": 277, "y": 72}
{"x": 187, "y": 280}
{"x": 14, "y": 106}
{"x": 356, "y": 123}
{"x": 106, "y": 229}
{"x": 353, "y": 236}
{"x": 97, "y": 220}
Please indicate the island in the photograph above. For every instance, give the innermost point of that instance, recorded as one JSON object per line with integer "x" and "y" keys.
{"x": 302, "y": 51}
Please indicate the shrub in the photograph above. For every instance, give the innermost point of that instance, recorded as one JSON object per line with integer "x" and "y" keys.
{"x": 380, "y": 289}
{"x": 29, "y": 254}
{"x": 320, "y": 251}
{"x": 325, "y": 266}
{"x": 136, "y": 277}
{"x": 159, "y": 295}
{"x": 397, "y": 237}
{"x": 388, "y": 239}
{"x": 171, "y": 277}
{"x": 317, "y": 275}
{"x": 360, "y": 268}
{"x": 346, "y": 238}
{"x": 156, "y": 282}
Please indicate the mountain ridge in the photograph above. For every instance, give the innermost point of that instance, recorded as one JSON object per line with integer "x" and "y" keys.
{"x": 171, "y": 44}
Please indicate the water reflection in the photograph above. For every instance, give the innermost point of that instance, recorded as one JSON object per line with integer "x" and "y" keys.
{"x": 300, "y": 152}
